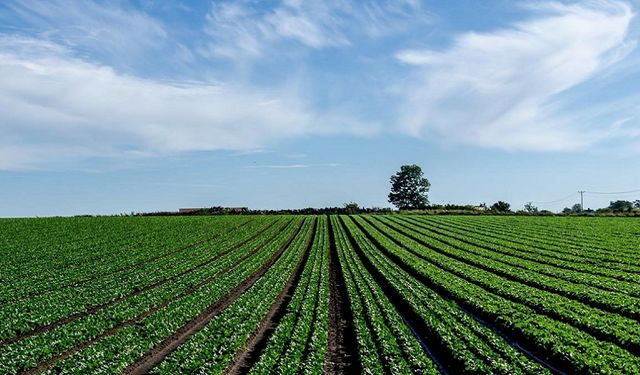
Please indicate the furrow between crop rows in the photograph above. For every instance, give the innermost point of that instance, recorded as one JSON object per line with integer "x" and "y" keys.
{"x": 158, "y": 353}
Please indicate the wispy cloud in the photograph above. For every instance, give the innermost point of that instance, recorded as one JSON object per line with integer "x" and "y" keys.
{"x": 110, "y": 31}
{"x": 90, "y": 110}
{"x": 495, "y": 89}
{"x": 296, "y": 156}
{"x": 239, "y": 29}
{"x": 71, "y": 95}
{"x": 293, "y": 166}
{"x": 65, "y": 108}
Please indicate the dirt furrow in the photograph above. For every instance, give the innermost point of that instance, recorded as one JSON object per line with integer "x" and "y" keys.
{"x": 168, "y": 345}
{"x": 133, "y": 321}
{"x": 250, "y": 353}
{"x": 342, "y": 350}
{"x": 98, "y": 308}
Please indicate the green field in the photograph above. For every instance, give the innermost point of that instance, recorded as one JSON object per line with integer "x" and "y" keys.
{"x": 378, "y": 294}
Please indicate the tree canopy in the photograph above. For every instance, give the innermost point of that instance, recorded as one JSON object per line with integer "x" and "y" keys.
{"x": 351, "y": 207}
{"x": 621, "y": 206}
{"x": 409, "y": 188}
{"x": 530, "y": 208}
{"x": 501, "y": 206}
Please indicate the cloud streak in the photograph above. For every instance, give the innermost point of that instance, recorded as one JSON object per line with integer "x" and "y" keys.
{"x": 59, "y": 102}
{"x": 111, "y": 32}
{"x": 239, "y": 30}
{"x": 494, "y": 89}
{"x": 90, "y": 80}
{"x": 293, "y": 166}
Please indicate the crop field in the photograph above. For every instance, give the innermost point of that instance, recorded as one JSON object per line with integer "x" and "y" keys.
{"x": 375, "y": 294}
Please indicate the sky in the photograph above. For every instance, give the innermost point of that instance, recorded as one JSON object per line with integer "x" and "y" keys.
{"x": 113, "y": 107}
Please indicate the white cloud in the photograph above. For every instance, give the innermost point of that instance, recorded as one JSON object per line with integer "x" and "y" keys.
{"x": 57, "y": 107}
{"x": 109, "y": 30}
{"x": 494, "y": 89}
{"x": 241, "y": 29}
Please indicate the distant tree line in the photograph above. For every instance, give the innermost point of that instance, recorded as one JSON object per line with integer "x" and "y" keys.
{"x": 616, "y": 208}
{"x": 349, "y": 208}
{"x": 409, "y": 193}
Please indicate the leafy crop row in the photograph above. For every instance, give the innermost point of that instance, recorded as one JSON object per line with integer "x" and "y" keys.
{"x": 32, "y": 350}
{"x": 609, "y": 326}
{"x": 211, "y": 349}
{"x": 25, "y": 316}
{"x": 300, "y": 340}
{"x": 114, "y": 353}
{"x": 460, "y": 294}
{"x": 571, "y": 270}
{"x": 557, "y": 340}
{"x": 463, "y": 344}
{"x": 54, "y": 263}
{"x": 394, "y": 347}
{"x": 590, "y": 240}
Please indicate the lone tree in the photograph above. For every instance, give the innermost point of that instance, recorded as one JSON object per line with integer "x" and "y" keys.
{"x": 409, "y": 188}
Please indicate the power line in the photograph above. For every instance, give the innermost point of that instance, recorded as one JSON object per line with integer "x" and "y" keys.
{"x": 613, "y": 193}
{"x": 557, "y": 200}
{"x": 582, "y": 192}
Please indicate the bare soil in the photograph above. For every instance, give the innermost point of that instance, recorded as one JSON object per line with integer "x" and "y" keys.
{"x": 250, "y": 353}
{"x": 133, "y": 321}
{"x": 168, "y": 345}
{"x": 342, "y": 350}
{"x": 98, "y": 308}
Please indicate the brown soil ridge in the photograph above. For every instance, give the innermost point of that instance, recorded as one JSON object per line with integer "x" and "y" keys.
{"x": 128, "y": 267}
{"x": 342, "y": 354}
{"x": 133, "y": 321}
{"x": 248, "y": 355}
{"x": 98, "y": 308}
{"x": 154, "y": 356}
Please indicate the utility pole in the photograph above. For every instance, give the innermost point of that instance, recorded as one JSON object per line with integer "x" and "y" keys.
{"x": 581, "y": 199}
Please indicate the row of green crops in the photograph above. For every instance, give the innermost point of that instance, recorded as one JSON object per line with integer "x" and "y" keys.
{"x": 606, "y": 240}
{"x": 255, "y": 294}
{"x": 522, "y": 287}
{"x": 545, "y": 321}
{"x": 54, "y": 263}
{"x": 213, "y": 348}
{"x": 113, "y": 353}
{"x": 299, "y": 341}
{"x": 462, "y": 344}
{"x": 545, "y": 261}
{"x": 386, "y": 344}
{"x": 47, "y": 343}
{"x": 31, "y": 314}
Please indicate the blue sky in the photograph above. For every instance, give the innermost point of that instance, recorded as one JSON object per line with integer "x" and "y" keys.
{"x": 120, "y": 106}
